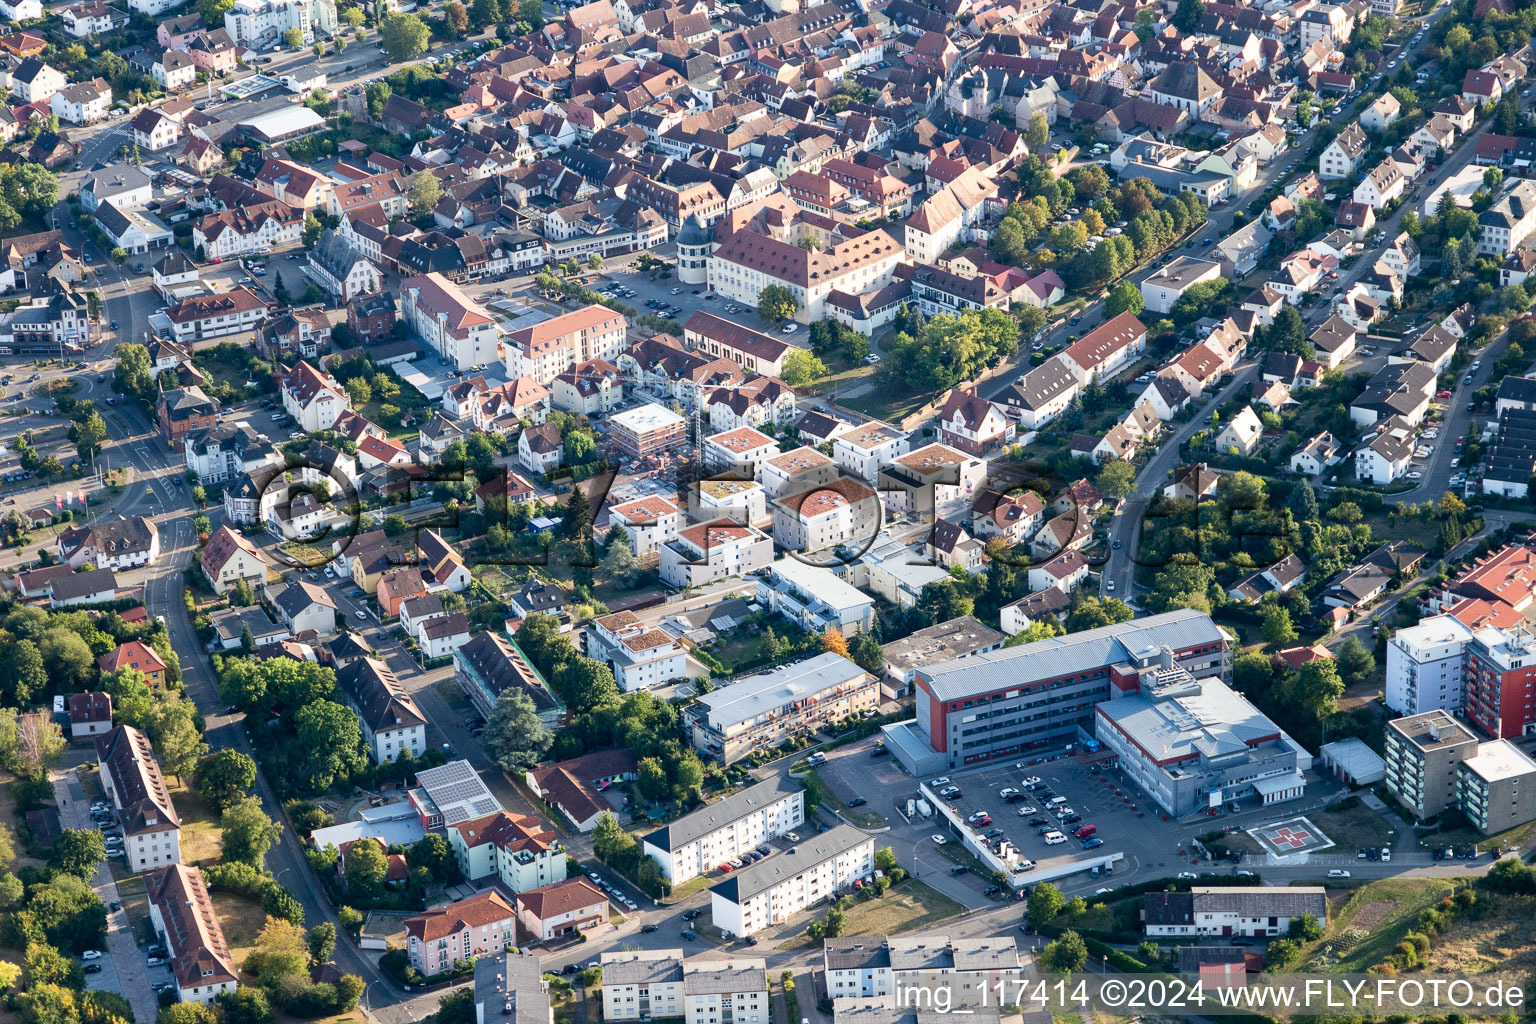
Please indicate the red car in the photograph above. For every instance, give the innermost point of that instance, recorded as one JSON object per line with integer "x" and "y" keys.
{"x": 1442, "y": 394}
{"x": 726, "y": 868}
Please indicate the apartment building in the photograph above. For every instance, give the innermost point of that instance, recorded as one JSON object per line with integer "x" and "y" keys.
{"x": 695, "y": 843}
{"x": 815, "y": 598}
{"x": 867, "y": 449}
{"x": 799, "y": 469}
{"x": 562, "y": 909}
{"x": 545, "y": 350}
{"x": 228, "y": 559}
{"x": 740, "y": 452}
{"x": 772, "y": 891}
{"x": 713, "y": 551}
{"x": 392, "y": 724}
{"x": 655, "y": 984}
{"x": 483, "y": 924}
{"x": 182, "y": 914}
{"x": 314, "y": 398}
{"x": 1422, "y": 754}
{"x": 450, "y": 323}
{"x": 874, "y": 966}
{"x": 1507, "y": 224}
{"x": 516, "y": 848}
{"x": 765, "y": 710}
{"x": 131, "y": 779}
{"x": 1162, "y": 289}
{"x": 649, "y": 523}
{"x": 1341, "y": 158}
{"x": 1003, "y": 703}
{"x": 1426, "y": 666}
{"x": 1496, "y": 787}
{"x": 640, "y": 656}
{"x": 1500, "y": 676}
{"x": 841, "y": 512}
{"x": 749, "y": 261}
{"x": 116, "y": 544}
{"x": 200, "y": 317}
{"x": 648, "y": 430}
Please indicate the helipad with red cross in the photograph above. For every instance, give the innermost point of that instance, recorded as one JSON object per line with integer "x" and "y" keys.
{"x": 1291, "y": 836}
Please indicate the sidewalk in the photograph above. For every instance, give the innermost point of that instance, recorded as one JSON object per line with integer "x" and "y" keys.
{"x": 132, "y": 972}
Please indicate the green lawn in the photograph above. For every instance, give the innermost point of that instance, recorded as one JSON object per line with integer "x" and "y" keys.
{"x": 906, "y": 907}
{"x": 887, "y": 403}
{"x": 1373, "y": 918}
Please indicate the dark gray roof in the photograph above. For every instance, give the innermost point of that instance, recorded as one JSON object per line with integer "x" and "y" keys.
{"x": 83, "y": 584}
{"x": 764, "y": 875}
{"x": 697, "y": 824}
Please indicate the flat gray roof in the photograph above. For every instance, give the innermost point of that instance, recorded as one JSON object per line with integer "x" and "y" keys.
{"x": 764, "y": 875}
{"x": 767, "y": 691}
{"x": 1065, "y": 655}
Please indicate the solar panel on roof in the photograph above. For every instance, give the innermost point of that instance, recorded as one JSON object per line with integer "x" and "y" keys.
{"x": 483, "y": 807}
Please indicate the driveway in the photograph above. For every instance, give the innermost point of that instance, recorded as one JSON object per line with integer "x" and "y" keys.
{"x": 125, "y": 971}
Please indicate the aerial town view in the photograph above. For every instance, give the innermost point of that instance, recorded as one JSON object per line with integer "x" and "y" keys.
{"x": 765, "y": 511}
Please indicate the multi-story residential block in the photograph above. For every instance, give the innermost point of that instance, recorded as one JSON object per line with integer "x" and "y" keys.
{"x": 873, "y": 967}
{"x": 448, "y": 321}
{"x": 562, "y": 909}
{"x": 314, "y": 398}
{"x": 713, "y": 551}
{"x": 765, "y": 710}
{"x": 647, "y": 430}
{"x": 972, "y": 424}
{"x": 640, "y": 656}
{"x": 1042, "y": 693}
{"x": 695, "y": 843}
{"x": 83, "y": 102}
{"x": 814, "y": 598}
{"x": 1164, "y": 287}
{"x": 652, "y": 984}
{"x": 844, "y": 511}
{"x": 1426, "y": 666}
{"x": 545, "y": 350}
{"x": 1500, "y": 673}
{"x": 740, "y": 452}
{"x": 649, "y": 523}
{"x": 725, "y": 339}
{"x": 182, "y": 914}
{"x": 1496, "y": 787}
{"x": 200, "y": 317}
{"x": 1422, "y": 755}
{"x": 749, "y": 261}
{"x": 225, "y": 451}
{"x": 869, "y": 448}
{"x": 1507, "y": 224}
{"x": 796, "y": 470}
{"x": 261, "y": 23}
{"x": 771, "y": 892}
{"x": 131, "y": 779}
{"x": 392, "y": 724}
{"x": 438, "y": 940}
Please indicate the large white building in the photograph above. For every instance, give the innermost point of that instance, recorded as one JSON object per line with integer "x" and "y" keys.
{"x": 259, "y": 23}
{"x": 749, "y": 261}
{"x": 786, "y": 703}
{"x": 696, "y": 843}
{"x": 545, "y": 350}
{"x": 653, "y": 984}
{"x": 713, "y": 551}
{"x": 1425, "y": 664}
{"x": 392, "y": 724}
{"x": 770, "y": 892}
{"x": 640, "y": 656}
{"x": 862, "y": 967}
{"x": 182, "y": 914}
{"x": 1507, "y": 224}
{"x": 451, "y": 323}
{"x": 130, "y": 777}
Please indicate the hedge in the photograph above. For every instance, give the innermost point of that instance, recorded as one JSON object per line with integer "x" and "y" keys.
{"x": 1116, "y": 958}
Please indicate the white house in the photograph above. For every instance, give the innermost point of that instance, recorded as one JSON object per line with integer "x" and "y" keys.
{"x": 641, "y": 656}
{"x": 313, "y": 398}
{"x": 649, "y": 523}
{"x": 1242, "y": 432}
{"x": 1316, "y": 455}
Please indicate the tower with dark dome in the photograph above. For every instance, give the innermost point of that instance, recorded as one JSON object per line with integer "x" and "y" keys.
{"x": 694, "y": 243}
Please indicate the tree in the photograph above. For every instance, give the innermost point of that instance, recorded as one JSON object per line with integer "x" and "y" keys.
{"x": 366, "y": 868}
{"x": 594, "y": 262}
{"x": 281, "y": 950}
{"x": 403, "y": 36}
{"x": 486, "y": 12}
{"x": 223, "y": 777}
{"x": 1303, "y": 503}
{"x": 456, "y": 18}
{"x": 247, "y": 1005}
{"x": 514, "y": 734}
{"x": 1117, "y": 479}
{"x": 1278, "y": 630}
{"x": 802, "y": 368}
{"x": 609, "y": 839}
{"x": 1356, "y": 662}
{"x": 248, "y": 832}
{"x": 322, "y": 940}
{"x": 833, "y": 641}
{"x": 24, "y": 674}
{"x": 293, "y": 38}
{"x": 776, "y": 304}
{"x": 87, "y": 435}
{"x": 619, "y": 562}
{"x": 78, "y": 852}
{"x": 376, "y": 93}
{"x": 424, "y": 192}
{"x": 1252, "y": 672}
{"x": 768, "y": 646}
{"x": 1316, "y": 689}
{"x": 1045, "y": 902}
{"x": 359, "y": 390}
{"x": 1037, "y": 136}
{"x": 1067, "y": 955}
{"x": 586, "y": 683}
{"x": 867, "y": 654}
{"x": 1304, "y": 929}
{"x": 329, "y": 743}
{"x": 435, "y": 854}
{"x": 1124, "y": 298}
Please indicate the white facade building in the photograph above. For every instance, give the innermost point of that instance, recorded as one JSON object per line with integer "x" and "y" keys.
{"x": 1425, "y": 666}
{"x": 773, "y": 891}
{"x": 693, "y": 844}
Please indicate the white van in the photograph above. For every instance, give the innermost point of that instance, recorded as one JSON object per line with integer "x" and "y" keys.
{"x": 1055, "y": 802}
{"x": 1338, "y": 873}
{"x": 1052, "y": 838}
